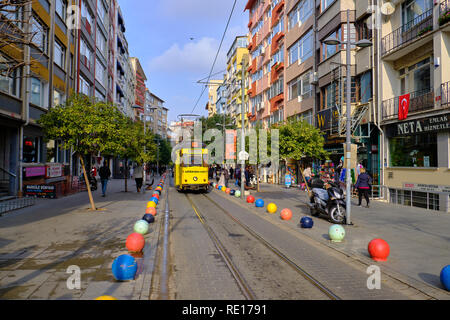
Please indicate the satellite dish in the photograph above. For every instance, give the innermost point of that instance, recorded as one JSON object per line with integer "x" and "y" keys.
{"x": 387, "y": 9}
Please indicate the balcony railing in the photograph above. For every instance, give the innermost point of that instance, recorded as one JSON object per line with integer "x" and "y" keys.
{"x": 445, "y": 95}
{"x": 419, "y": 101}
{"x": 408, "y": 32}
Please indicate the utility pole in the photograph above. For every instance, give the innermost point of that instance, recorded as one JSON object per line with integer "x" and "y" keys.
{"x": 348, "y": 152}
{"x": 242, "y": 127}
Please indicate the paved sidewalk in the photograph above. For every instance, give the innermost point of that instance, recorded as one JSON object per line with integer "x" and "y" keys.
{"x": 419, "y": 239}
{"x": 39, "y": 243}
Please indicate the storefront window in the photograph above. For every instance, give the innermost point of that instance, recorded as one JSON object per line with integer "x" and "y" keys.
{"x": 414, "y": 151}
{"x": 31, "y": 150}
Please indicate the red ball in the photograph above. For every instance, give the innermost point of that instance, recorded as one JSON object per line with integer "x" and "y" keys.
{"x": 379, "y": 249}
{"x": 151, "y": 211}
{"x": 250, "y": 199}
{"x": 286, "y": 214}
{"x": 135, "y": 242}
{"x": 155, "y": 195}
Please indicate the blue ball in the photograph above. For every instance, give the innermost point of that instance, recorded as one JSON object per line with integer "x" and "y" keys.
{"x": 124, "y": 268}
{"x": 306, "y": 222}
{"x": 220, "y": 188}
{"x": 149, "y": 218}
{"x": 445, "y": 277}
{"x": 259, "y": 203}
{"x": 154, "y": 199}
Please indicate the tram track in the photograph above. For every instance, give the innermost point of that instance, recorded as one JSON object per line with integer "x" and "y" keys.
{"x": 272, "y": 251}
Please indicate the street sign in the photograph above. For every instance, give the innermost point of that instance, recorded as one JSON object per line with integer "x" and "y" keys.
{"x": 243, "y": 156}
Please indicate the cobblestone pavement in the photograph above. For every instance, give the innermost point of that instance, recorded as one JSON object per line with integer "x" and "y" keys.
{"x": 419, "y": 239}
{"x": 39, "y": 243}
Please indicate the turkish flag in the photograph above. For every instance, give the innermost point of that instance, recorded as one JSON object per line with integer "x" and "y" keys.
{"x": 403, "y": 106}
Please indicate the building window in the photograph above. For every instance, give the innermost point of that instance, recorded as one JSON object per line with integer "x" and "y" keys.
{"x": 276, "y": 88}
{"x": 365, "y": 87}
{"x": 412, "y": 9}
{"x": 324, "y": 4}
{"x": 86, "y": 13}
{"x": 302, "y": 49}
{"x": 61, "y": 8}
{"x": 58, "y": 98}
{"x": 417, "y": 78}
{"x": 99, "y": 95}
{"x": 9, "y": 81}
{"x": 59, "y": 54}
{"x": 100, "y": 71}
{"x": 300, "y": 13}
{"x": 418, "y": 150}
{"x": 86, "y": 54}
{"x": 101, "y": 42}
{"x": 277, "y": 57}
{"x": 39, "y": 34}
{"x": 101, "y": 11}
{"x": 31, "y": 149}
{"x": 329, "y": 50}
{"x": 85, "y": 87}
{"x": 300, "y": 87}
{"x": 362, "y": 28}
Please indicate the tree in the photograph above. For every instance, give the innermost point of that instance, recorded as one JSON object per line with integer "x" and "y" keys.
{"x": 132, "y": 142}
{"x": 87, "y": 126}
{"x": 165, "y": 150}
{"x": 299, "y": 139}
{"x": 212, "y": 122}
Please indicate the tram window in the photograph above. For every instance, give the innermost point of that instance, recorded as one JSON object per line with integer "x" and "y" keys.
{"x": 193, "y": 160}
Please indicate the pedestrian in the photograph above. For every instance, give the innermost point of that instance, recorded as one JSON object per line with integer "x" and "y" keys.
{"x": 237, "y": 174}
{"x": 247, "y": 176}
{"x": 227, "y": 176}
{"x": 138, "y": 174}
{"x": 307, "y": 174}
{"x": 363, "y": 185}
{"x": 104, "y": 174}
{"x": 222, "y": 179}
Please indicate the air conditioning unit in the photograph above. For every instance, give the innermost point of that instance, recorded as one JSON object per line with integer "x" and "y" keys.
{"x": 300, "y": 98}
{"x": 313, "y": 78}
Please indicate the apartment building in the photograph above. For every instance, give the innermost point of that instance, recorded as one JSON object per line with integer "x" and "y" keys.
{"x": 156, "y": 114}
{"x": 140, "y": 88}
{"x": 237, "y": 58}
{"x": 221, "y": 100}
{"x": 30, "y": 90}
{"x": 212, "y": 97}
{"x": 415, "y": 107}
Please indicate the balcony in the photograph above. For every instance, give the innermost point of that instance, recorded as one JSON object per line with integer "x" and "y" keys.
{"x": 276, "y": 12}
{"x": 275, "y": 42}
{"x": 444, "y": 12}
{"x": 419, "y": 101}
{"x": 407, "y": 33}
{"x": 275, "y": 71}
{"x": 276, "y": 101}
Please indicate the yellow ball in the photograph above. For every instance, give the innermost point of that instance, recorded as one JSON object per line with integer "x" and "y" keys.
{"x": 272, "y": 208}
{"x": 224, "y": 189}
{"x": 105, "y": 298}
{"x": 151, "y": 204}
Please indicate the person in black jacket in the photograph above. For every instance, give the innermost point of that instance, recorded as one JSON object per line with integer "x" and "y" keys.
{"x": 104, "y": 174}
{"x": 363, "y": 185}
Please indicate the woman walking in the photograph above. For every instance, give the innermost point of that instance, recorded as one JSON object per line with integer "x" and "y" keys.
{"x": 363, "y": 185}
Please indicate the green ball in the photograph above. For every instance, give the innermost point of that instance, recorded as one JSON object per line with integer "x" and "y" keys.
{"x": 237, "y": 194}
{"x": 336, "y": 233}
{"x": 141, "y": 227}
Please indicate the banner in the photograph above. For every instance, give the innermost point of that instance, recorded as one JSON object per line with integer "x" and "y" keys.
{"x": 403, "y": 106}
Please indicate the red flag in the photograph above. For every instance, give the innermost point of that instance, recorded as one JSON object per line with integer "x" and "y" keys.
{"x": 403, "y": 106}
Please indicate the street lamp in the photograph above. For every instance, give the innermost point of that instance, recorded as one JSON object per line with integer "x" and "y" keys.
{"x": 364, "y": 43}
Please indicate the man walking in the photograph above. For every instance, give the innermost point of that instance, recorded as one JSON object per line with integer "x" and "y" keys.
{"x": 104, "y": 174}
{"x": 138, "y": 177}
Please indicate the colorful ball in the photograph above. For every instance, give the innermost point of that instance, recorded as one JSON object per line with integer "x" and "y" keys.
{"x": 151, "y": 204}
{"x": 445, "y": 277}
{"x": 151, "y": 210}
{"x": 158, "y": 192}
{"x": 306, "y": 222}
{"x": 149, "y": 218}
{"x": 286, "y": 214}
{"x": 272, "y": 208}
{"x": 105, "y": 298}
{"x": 379, "y": 249}
{"x": 259, "y": 203}
{"x": 220, "y": 188}
{"x": 232, "y": 192}
{"x": 227, "y": 191}
{"x": 135, "y": 242}
{"x": 237, "y": 194}
{"x": 155, "y": 200}
{"x": 336, "y": 233}
{"x": 155, "y": 195}
{"x": 224, "y": 189}
{"x": 124, "y": 267}
{"x": 141, "y": 227}
{"x": 214, "y": 185}
{"x": 250, "y": 199}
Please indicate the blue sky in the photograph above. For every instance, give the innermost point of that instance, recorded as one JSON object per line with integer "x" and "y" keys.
{"x": 158, "y": 33}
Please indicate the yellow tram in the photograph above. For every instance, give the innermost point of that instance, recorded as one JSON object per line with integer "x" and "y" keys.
{"x": 191, "y": 167}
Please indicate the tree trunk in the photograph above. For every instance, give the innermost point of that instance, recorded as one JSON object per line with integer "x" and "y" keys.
{"x": 126, "y": 175}
{"x": 257, "y": 178}
{"x": 88, "y": 185}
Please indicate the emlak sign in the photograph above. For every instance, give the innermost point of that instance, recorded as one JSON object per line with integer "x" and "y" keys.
{"x": 424, "y": 125}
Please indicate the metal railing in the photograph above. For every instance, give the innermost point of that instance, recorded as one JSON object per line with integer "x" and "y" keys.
{"x": 419, "y": 199}
{"x": 445, "y": 95}
{"x": 419, "y": 101}
{"x": 15, "y": 204}
{"x": 407, "y": 32}
{"x": 444, "y": 12}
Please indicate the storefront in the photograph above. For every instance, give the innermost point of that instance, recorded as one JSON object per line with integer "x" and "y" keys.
{"x": 417, "y": 163}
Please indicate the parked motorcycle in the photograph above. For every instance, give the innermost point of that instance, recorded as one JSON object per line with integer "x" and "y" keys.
{"x": 92, "y": 181}
{"x": 329, "y": 201}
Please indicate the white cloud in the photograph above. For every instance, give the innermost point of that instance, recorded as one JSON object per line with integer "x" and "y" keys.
{"x": 194, "y": 57}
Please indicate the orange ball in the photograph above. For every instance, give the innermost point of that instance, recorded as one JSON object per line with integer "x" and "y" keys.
{"x": 151, "y": 211}
{"x": 286, "y": 214}
{"x": 228, "y": 191}
{"x": 135, "y": 242}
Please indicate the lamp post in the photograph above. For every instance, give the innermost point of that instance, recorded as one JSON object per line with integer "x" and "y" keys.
{"x": 364, "y": 43}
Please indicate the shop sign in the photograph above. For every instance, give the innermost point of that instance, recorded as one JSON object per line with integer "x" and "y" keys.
{"x": 40, "y": 191}
{"x": 54, "y": 170}
{"x": 425, "y": 125}
{"x": 426, "y": 187}
{"x": 34, "y": 172}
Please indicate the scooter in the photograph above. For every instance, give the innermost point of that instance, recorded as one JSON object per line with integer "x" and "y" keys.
{"x": 92, "y": 181}
{"x": 329, "y": 202}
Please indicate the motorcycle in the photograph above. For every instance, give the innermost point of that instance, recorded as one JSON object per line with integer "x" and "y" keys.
{"x": 329, "y": 202}
{"x": 92, "y": 181}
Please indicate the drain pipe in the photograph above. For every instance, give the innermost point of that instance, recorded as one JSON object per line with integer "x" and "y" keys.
{"x": 25, "y": 92}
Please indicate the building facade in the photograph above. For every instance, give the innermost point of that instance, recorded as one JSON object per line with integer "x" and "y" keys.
{"x": 212, "y": 97}
{"x": 156, "y": 114}
{"x": 415, "y": 117}
{"x": 140, "y": 88}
